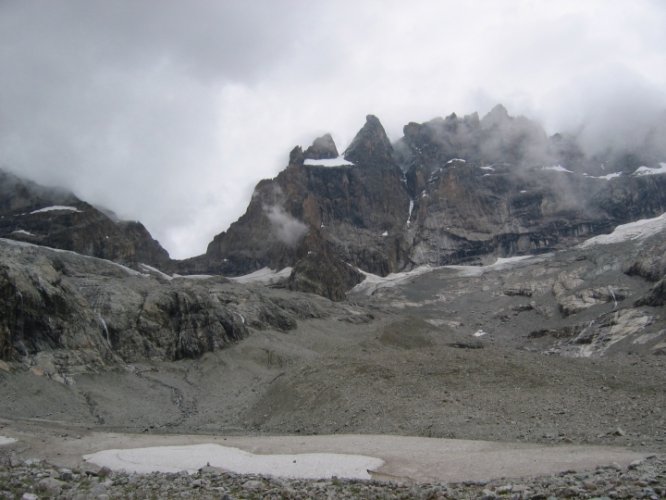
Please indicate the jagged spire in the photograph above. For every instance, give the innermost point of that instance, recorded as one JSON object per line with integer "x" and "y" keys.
{"x": 322, "y": 148}
{"x": 371, "y": 146}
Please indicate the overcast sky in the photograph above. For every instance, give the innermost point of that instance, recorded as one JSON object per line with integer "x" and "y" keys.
{"x": 169, "y": 112}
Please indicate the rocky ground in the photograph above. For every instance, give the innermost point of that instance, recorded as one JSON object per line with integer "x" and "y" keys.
{"x": 557, "y": 349}
{"x": 642, "y": 479}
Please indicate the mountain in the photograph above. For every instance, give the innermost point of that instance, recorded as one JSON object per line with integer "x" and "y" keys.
{"x": 57, "y": 218}
{"x": 452, "y": 190}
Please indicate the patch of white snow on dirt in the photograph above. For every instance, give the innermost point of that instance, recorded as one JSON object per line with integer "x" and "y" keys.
{"x": 479, "y": 333}
{"x": 328, "y": 162}
{"x": 54, "y": 208}
{"x": 6, "y": 440}
{"x": 661, "y": 169}
{"x": 638, "y": 230}
{"x": 265, "y": 276}
{"x": 191, "y": 458}
{"x": 23, "y": 232}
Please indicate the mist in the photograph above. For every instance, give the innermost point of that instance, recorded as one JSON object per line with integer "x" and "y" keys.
{"x": 170, "y": 113}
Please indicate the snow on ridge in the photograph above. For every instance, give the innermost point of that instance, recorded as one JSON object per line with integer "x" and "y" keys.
{"x": 557, "y": 168}
{"x": 55, "y": 208}
{"x": 265, "y": 276}
{"x": 191, "y": 458}
{"x": 643, "y": 170}
{"x": 638, "y": 230}
{"x": 340, "y": 161}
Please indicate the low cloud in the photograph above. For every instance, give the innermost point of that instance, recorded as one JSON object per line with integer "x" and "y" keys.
{"x": 286, "y": 228}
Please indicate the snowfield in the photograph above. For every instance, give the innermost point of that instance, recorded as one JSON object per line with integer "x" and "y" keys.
{"x": 191, "y": 458}
{"x": 633, "y": 231}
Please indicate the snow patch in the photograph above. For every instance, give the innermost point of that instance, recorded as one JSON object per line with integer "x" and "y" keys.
{"x": 55, "y": 208}
{"x": 340, "y": 161}
{"x": 265, "y": 276}
{"x": 372, "y": 282}
{"x": 6, "y": 440}
{"x": 557, "y": 168}
{"x": 455, "y": 159}
{"x": 605, "y": 177}
{"x": 661, "y": 169}
{"x": 411, "y": 209}
{"x": 22, "y": 231}
{"x": 385, "y": 233}
{"x": 193, "y": 276}
{"x": 154, "y": 270}
{"x": 488, "y": 167}
{"x": 479, "y": 333}
{"x": 191, "y": 458}
{"x": 638, "y": 230}
{"x": 501, "y": 264}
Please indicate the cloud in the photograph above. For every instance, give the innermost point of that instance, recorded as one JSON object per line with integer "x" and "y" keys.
{"x": 286, "y": 229}
{"x": 170, "y": 112}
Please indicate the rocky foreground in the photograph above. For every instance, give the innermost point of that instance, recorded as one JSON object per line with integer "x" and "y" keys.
{"x": 28, "y": 480}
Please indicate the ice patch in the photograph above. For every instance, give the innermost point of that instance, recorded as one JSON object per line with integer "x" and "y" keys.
{"x": 328, "y": 162}
{"x": 55, "y": 208}
{"x": 265, "y": 276}
{"x": 557, "y": 168}
{"x": 633, "y": 231}
{"x": 661, "y": 169}
{"x": 6, "y": 440}
{"x": 191, "y": 458}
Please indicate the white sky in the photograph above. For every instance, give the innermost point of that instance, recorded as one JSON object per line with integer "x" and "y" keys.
{"x": 169, "y": 112}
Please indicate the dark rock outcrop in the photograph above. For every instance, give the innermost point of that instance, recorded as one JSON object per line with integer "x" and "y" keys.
{"x": 68, "y": 312}
{"x": 56, "y": 218}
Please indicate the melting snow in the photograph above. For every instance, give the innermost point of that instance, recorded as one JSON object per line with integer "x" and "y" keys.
{"x": 54, "y": 208}
{"x": 193, "y": 457}
{"x": 264, "y": 276}
{"x": 328, "y": 162}
{"x": 633, "y": 231}
{"x": 557, "y": 168}
{"x": 6, "y": 440}
{"x": 661, "y": 169}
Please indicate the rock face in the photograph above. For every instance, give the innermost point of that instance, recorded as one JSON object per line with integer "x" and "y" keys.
{"x": 56, "y": 218}
{"x": 451, "y": 190}
{"x": 63, "y": 312}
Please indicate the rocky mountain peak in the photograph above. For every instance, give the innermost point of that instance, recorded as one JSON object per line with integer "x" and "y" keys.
{"x": 371, "y": 146}
{"x": 496, "y": 116}
{"x": 322, "y": 148}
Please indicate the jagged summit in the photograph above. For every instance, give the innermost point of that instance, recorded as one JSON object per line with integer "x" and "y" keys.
{"x": 371, "y": 146}
{"x": 322, "y": 148}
